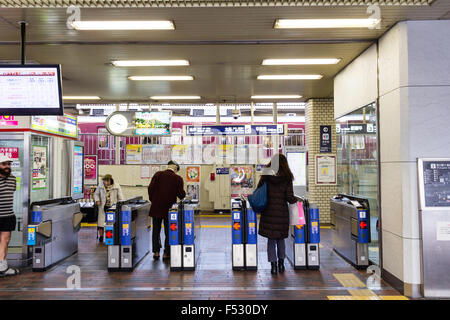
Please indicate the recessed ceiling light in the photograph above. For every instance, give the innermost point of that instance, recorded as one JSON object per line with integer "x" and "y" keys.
{"x": 81, "y": 98}
{"x": 160, "y": 78}
{"x": 290, "y": 77}
{"x": 325, "y": 23}
{"x": 123, "y": 25}
{"x": 277, "y": 97}
{"x": 149, "y": 63}
{"x": 285, "y": 62}
{"x": 175, "y": 97}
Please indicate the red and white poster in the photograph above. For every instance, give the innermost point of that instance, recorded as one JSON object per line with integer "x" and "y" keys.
{"x": 90, "y": 170}
{"x": 11, "y": 152}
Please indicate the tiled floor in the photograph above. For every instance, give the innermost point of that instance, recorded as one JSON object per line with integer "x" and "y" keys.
{"x": 213, "y": 278}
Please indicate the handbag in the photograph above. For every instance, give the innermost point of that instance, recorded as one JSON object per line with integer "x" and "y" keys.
{"x": 258, "y": 200}
{"x": 296, "y": 214}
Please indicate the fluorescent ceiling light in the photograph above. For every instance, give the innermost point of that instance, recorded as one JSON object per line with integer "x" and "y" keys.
{"x": 175, "y": 97}
{"x": 160, "y": 78}
{"x": 123, "y": 25}
{"x": 277, "y": 97}
{"x": 150, "y": 63}
{"x": 290, "y": 77}
{"x": 81, "y": 98}
{"x": 325, "y": 23}
{"x": 286, "y": 62}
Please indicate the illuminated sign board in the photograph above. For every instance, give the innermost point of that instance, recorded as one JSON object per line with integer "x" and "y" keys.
{"x": 152, "y": 123}
{"x": 61, "y": 125}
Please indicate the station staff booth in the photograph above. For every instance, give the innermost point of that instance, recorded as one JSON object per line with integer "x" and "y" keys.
{"x": 48, "y": 164}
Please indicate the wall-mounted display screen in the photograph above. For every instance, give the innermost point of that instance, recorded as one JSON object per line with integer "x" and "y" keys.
{"x": 30, "y": 90}
{"x": 152, "y": 123}
{"x": 78, "y": 172}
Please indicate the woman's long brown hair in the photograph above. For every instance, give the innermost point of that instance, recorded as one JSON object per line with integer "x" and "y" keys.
{"x": 283, "y": 167}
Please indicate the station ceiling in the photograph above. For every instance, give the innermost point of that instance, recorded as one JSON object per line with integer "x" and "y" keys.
{"x": 224, "y": 45}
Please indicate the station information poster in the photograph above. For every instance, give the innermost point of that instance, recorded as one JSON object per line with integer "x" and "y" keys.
{"x": 297, "y": 163}
{"x": 193, "y": 174}
{"x": 242, "y": 181}
{"x": 145, "y": 172}
{"x": 134, "y": 153}
{"x": 39, "y": 168}
{"x": 326, "y": 170}
{"x": 193, "y": 191}
{"x": 436, "y": 183}
{"x": 155, "y": 154}
{"x": 78, "y": 168}
{"x": 90, "y": 170}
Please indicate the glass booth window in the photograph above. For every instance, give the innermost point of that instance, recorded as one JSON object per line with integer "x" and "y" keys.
{"x": 357, "y": 161}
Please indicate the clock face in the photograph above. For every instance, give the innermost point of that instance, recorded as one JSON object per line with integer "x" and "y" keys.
{"x": 118, "y": 123}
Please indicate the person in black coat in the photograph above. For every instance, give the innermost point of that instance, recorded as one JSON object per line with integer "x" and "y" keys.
{"x": 274, "y": 222}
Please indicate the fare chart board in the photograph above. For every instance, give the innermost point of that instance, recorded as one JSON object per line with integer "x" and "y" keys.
{"x": 435, "y": 187}
{"x": 30, "y": 90}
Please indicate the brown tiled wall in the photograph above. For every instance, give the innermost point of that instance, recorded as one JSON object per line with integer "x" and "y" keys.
{"x": 319, "y": 112}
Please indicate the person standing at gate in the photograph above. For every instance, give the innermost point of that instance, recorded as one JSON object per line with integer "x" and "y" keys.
{"x": 107, "y": 194}
{"x": 164, "y": 189}
{"x": 274, "y": 223}
{"x": 7, "y": 217}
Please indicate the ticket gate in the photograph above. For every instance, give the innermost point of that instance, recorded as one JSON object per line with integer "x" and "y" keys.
{"x": 302, "y": 245}
{"x": 182, "y": 236}
{"x": 350, "y": 224}
{"x": 127, "y": 233}
{"x": 53, "y": 231}
{"x": 244, "y": 235}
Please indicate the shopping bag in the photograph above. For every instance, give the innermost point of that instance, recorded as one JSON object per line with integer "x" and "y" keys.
{"x": 296, "y": 214}
{"x": 258, "y": 200}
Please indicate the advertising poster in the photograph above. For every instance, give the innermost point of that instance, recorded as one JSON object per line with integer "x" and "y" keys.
{"x": 152, "y": 123}
{"x": 225, "y": 154}
{"x": 325, "y": 170}
{"x": 179, "y": 153}
{"x": 78, "y": 168}
{"x": 13, "y": 153}
{"x": 241, "y": 181}
{"x": 90, "y": 170}
{"x": 134, "y": 153}
{"x": 193, "y": 174}
{"x": 39, "y": 167}
{"x": 193, "y": 190}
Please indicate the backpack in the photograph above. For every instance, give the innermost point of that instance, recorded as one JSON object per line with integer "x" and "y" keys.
{"x": 258, "y": 200}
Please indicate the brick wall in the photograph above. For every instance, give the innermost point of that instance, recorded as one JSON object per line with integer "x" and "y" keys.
{"x": 319, "y": 112}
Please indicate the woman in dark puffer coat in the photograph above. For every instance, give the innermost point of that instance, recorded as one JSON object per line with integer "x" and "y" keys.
{"x": 274, "y": 223}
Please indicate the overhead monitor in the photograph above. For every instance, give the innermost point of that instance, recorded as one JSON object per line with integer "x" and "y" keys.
{"x": 30, "y": 90}
{"x": 153, "y": 123}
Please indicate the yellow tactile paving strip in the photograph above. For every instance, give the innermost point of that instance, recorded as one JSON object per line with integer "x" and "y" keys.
{"x": 349, "y": 280}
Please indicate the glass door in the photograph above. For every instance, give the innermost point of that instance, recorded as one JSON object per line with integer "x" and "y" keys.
{"x": 14, "y": 147}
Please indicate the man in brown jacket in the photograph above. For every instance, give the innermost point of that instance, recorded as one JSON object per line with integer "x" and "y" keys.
{"x": 163, "y": 191}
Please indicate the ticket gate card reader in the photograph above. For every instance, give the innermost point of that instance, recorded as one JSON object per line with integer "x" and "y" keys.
{"x": 350, "y": 220}
{"x": 127, "y": 234}
{"x": 303, "y": 244}
{"x": 182, "y": 238}
{"x": 53, "y": 231}
{"x": 244, "y": 236}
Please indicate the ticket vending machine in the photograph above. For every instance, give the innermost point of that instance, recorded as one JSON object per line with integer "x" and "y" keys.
{"x": 244, "y": 236}
{"x": 182, "y": 238}
{"x": 434, "y": 213}
{"x": 350, "y": 223}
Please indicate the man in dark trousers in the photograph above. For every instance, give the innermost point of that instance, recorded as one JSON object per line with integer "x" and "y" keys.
{"x": 163, "y": 191}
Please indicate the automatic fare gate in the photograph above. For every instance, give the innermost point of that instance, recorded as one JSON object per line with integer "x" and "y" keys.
{"x": 182, "y": 239}
{"x": 244, "y": 236}
{"x": 303, "y": 242}
{"x": 127, "y": 234}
